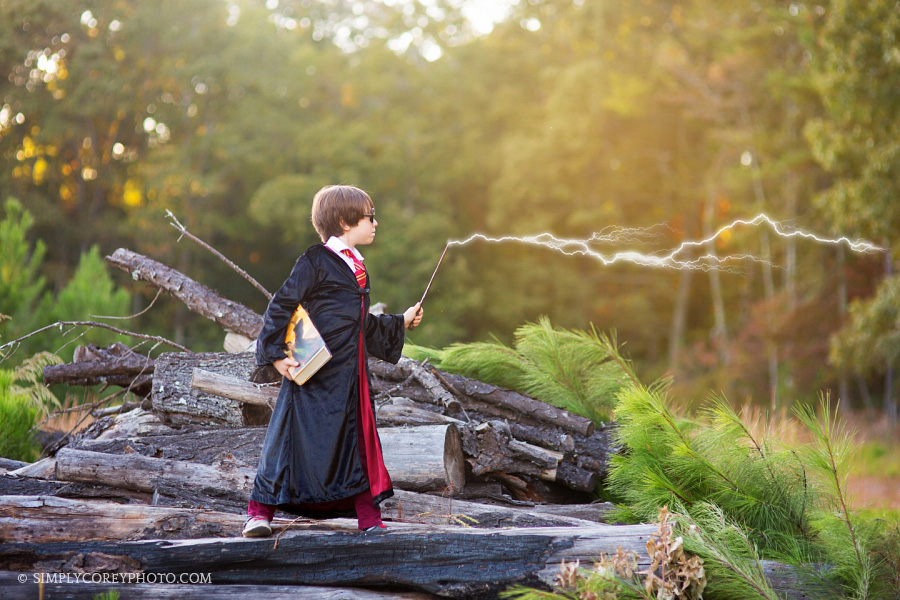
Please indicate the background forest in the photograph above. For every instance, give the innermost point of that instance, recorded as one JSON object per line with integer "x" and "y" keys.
{"x": 566, "y": 116}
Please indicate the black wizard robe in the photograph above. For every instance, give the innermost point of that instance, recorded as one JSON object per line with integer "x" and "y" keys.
{"x": 310, "y": 459}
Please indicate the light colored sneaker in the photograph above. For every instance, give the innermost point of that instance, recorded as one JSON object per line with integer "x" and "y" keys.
{"x": 257, "y": 527}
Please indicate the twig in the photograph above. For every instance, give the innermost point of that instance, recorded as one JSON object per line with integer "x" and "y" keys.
{"x": 184, "y": 232}
{"x": 137, "y": 314}
{"x": 60, "y": 324}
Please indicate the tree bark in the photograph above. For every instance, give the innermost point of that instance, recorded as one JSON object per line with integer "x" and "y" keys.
{"x": 412, "y": 507}
{"x": 129, "y": 370}
{"x": 234, "y": 388}
{"x": 455, "y": 562}
{"x": 46, "y": 519}
{"x": 427, "y": 458}
{"x": 196, "y": 296}
{"x": 481, "y": 397}
{"x": 180, "y": 404}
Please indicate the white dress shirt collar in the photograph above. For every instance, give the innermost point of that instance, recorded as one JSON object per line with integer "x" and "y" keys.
{"x": 337, "y": 244}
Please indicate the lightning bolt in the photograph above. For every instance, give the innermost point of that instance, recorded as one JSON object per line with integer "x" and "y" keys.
{"x": 671, "y": 260}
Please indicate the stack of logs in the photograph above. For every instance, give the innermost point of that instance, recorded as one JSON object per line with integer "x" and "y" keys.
{"x": 163, "y": 487}
{"x": 504, "y": 436}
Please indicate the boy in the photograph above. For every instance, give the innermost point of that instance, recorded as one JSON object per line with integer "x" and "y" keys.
{"x": 322, "y": 454}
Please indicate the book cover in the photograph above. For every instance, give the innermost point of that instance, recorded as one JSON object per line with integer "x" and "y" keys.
{"x": 306, "y": 345}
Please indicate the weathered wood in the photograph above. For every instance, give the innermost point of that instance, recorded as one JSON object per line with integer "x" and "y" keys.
{"x": 135, "y": 422}
{"x": 234, "y": 388}
{"x": 490, "y": 447}
{"x": 170, "y": 477}
{"x": 196, "y": 296}
{"x": 29, "y": 486}
{"x": 424, "y": 458}
{"x": 454, "y": 562}
{"x": 406, "y": 414}
{"x": 11, "y": 465}
{"x": 45, "y": 519}
{"x": 180, "y": 404}
{"x": 427, "y": 458}
{"x": 42, "y": 469}
{"x": 412, "y": 507}
{"x": 116, "y": 365}
{"x": 482, "y": 397}
{"x": 548, "y": 437}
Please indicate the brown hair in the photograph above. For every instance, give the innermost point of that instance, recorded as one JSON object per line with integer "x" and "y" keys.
{"x": 335, "y": 203}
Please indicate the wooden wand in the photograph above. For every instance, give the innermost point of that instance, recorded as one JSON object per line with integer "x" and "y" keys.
{"x": 428, "y": 287}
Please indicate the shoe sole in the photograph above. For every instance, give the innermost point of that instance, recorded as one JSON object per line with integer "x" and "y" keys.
{"x": 257, "y": 532}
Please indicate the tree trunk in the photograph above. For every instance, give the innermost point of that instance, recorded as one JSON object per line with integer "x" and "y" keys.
{"x": 427, "y": 458}
{"x": 197, "y": 297}
{"x": 454, "y": 562}
{"x": 180, "y": 404}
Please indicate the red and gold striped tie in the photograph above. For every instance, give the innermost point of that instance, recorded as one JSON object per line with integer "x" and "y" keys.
{"x": 358, "y": 269}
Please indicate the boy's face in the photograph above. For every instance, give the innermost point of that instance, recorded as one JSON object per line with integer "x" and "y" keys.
{"x": 362, "y": 233}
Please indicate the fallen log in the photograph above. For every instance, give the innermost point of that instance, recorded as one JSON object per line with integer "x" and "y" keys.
{"x": 196, "y": 296}
{"x": 158, "y": 475}
{"x": 412, "y": 507}
{"x": 29, "y": 486}
{"x": 45, "y": 519}
{"x": 174, "y": 398}
{"x": 87, "y": 587}
{"x": 427, "y": 458}
{"x": 116, "y": 365}
{"x": 235, "y": 388}
{"x": 452, "y": 562}
{"x": 491, "y": 448}
{"x": 485, "y": 398}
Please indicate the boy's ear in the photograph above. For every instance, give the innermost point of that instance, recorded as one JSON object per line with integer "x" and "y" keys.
{"x": 344, "y": 225}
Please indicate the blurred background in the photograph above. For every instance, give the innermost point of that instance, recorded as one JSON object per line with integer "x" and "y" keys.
{"x": 463, "y": 116}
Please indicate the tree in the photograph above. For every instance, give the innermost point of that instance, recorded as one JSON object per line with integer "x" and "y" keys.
{"x": 23, "y": 295}
{"x": 858, "y": 143}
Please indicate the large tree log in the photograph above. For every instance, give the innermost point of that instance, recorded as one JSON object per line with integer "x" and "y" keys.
{"x": 453, "y": 562}
{"x": 487, "y": 399}
{"x": 44, "y": 519}
{"x": 412, "y": 507}
{"x": 197, "y": 297}
{"x": 181, "y": 404}
{"x": 491, "y": 447}
{"x": 260, "y": 394}
{"x": 61, "y": 587}
{"x": 157, "y": 475}
{"x": 427, "y": 458}
{"x": 28, "y": 486}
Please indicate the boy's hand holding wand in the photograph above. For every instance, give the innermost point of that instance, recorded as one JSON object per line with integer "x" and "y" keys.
{"x": 416, "y": 311}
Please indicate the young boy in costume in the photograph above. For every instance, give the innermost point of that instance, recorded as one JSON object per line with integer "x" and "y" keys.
{"x": 322, "y": 454}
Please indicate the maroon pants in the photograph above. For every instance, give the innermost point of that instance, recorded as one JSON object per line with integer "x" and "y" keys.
{"x": 366, "y": 513}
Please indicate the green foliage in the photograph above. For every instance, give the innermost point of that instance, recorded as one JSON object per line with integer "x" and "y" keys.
{"x": 858, "y": 140}
{"x": 871, "y": 338}
{"x": 91, "y": 295}
{"x": 741, "y": 497}
{"x": 574, "y": 370}
{"x": 29, "y": 380}
{"x": 682, "y": 463}
{"x": 18, "y": 416}
{"x": 732, "y": 562}
{"x": 23, "y": 295}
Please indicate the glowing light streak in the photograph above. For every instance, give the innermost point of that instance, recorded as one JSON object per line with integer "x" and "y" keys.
{"x": 615, "y": 235}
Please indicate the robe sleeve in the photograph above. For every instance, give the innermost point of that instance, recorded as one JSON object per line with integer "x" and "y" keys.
{"x": 385, "y": 335}
{"x": 270, "y": 342}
